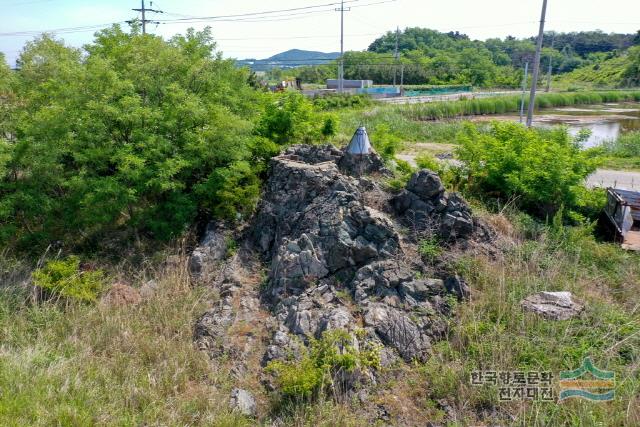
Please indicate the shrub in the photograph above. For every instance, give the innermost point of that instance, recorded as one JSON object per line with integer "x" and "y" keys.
{"x": 338, "y": 101}
{"x": 385, "y": 142}
{"x": 118, "y": 140}
{"x": 430, "y": 249}
{"x": 315, "y": 371}
{"x": 402, "y": 173}
{"x": 427, "y": 161}
{"x": 292, "y": 119}
{"x": 627, "y": 145}
{"x": 64, "y": 278}
{"x": 542, "y": 169}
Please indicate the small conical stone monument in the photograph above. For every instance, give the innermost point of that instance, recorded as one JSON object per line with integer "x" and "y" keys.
{"x": 359, "y": 157}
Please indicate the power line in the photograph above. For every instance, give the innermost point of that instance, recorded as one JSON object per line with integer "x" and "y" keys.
{"x": 145, "y": 21}
{"x": 256, "y": 14}
{"x": 296, "y": 37}
{"x": 60, "y": 30}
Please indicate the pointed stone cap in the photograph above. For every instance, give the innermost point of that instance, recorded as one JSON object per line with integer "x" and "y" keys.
{"x": 360, "y": 143}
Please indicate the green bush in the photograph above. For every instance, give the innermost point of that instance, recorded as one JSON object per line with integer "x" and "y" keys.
{"x": 402, "y": 172}
{"x": 627, "y": 145}
{"x": 326, "y": 357}
{"x": 64, "y": 278}
{"x": 134, "y": 137}
{"x": 542, "y": 169}
{"x": 291, "y": 118}
{"x": 427, "y": 161}
{"x": 385, "y": 142}
{"x": 430, "y": 249}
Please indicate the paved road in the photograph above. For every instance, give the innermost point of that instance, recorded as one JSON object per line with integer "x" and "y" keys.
{"x": 612, "y": 178}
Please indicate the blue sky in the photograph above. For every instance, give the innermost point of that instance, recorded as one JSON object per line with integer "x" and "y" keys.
{"x": 315, "y": 31}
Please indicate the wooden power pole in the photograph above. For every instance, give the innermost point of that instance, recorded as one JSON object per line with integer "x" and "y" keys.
{"x": 536, "y": 66}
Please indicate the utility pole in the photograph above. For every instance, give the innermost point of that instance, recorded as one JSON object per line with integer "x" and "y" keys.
{"x": 553, "y": 39}
{"x": 144, "y": 11}
{"x": 524, "y": 89}
{"x": 395, "y": 54}
{"x": 536, "y": 66}
{"x": 341, "y": 69}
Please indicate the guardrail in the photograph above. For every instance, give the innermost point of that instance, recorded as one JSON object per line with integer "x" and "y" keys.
{"x": 450, "y": 97}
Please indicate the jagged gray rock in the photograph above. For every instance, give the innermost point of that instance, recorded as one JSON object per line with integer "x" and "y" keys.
{"x": 212, "y": 249}
{"x": 339, "y": 255}
{"x": 425, "y": 184}
{"x": 425, "y": 205}
{"x": 321, "y": 241}
{"x": 243, "y": 402}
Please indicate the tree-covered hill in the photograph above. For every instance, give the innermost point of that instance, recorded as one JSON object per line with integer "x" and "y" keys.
{"x": 431, "y": 57}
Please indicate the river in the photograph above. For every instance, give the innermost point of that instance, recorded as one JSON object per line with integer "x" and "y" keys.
{"x": 605, "y": 121}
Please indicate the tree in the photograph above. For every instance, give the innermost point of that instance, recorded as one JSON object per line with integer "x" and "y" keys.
{"x": 122, "y": 141}
{"x": 543, "y": 170}
{"x": 631, "y": 74}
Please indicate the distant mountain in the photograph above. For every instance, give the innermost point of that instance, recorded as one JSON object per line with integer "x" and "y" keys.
{"x": 290, "y": 59}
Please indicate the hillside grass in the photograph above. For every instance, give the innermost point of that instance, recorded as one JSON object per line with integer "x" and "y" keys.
{"x": 605, "y": 74}
{"x": 83, "y": 364}
{"x": 493, "y": 333}
{"x": 73, "y": 364}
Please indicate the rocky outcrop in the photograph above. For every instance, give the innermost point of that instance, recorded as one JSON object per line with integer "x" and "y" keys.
{"x": 553, "y": 305}
{"x": 339, "y": 254}
{"x": 331, "y": 257}
{"x": 359, "y": 165}
{"x": 205, "y": 259}
{"x": 425, "y": 205}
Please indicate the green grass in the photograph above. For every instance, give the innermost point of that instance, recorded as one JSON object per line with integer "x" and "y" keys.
{"x": 621, "y": 163}
{"x": 417, "y": 122}
{"x": 78, "y": 364}
{"x": 509, "y": 104}
{"x": 398, "y": 123}
{"x": 622, "y": 153}
{"x": 492, "y": 332}
{"x": 604, "y": 74}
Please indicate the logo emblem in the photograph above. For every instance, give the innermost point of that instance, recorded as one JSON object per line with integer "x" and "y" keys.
{"x": 599, "y": 388}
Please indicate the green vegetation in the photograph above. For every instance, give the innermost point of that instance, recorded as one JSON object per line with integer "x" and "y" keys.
{"x": 430, "y": 249}
{"x": 134, "y": 139}
{"x": 510, "y": 104}
{"x": 64, "y": 278}
{"x": 430, "y": 57}
{"x": 627, "y": 145}
{"x": 622, "y": 153}
{"x": 326, "y": 358}
{"x": 338, "y": 101}
{"x": 74, "y": 364}
{"x": 617, "y": 69}
{"x": 492, "y": 332}
{"x": 542, "y": 170}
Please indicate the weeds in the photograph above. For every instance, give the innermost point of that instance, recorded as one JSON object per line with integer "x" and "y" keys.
{"x": 64, "y": 278}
